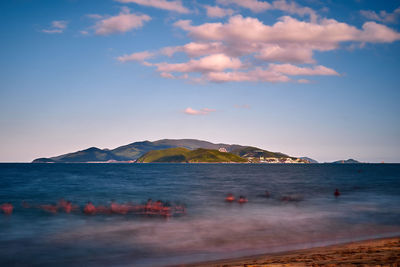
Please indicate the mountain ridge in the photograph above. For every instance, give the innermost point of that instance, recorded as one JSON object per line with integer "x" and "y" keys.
{"x": 133, "y": 151}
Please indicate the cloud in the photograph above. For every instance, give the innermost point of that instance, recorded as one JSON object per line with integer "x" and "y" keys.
{"x": 57, "y": 26}
{"x": 94, "y": 16}
{"x": 377, "y": 33}
{"x": 254, "y": 5}
{"x": 288, "y": 53}
{"x": 167, "y": 75}
{"x": 140, "y": 56}
{"x": 123, "y": 22}
{"x": 256, "y": 75}
{"x": 51, "y": 31}
{"x": 293, "y": 70}
{"x": 303, "y": 81}
{"x": 195, "y": 49}
{"x": 325, "y": 35}
{"x": 216, "y": 62}
{"x": 274, "y": 73}
{"x": 204, "y": 111}
{"x": 382, "y": 16}
{"x": 175, "y": 6}
{"x": 293, "y": 8}
{"x": 218, "y": 12}
{"x": 230, "y": 52}
{"x": 261, "y": 6}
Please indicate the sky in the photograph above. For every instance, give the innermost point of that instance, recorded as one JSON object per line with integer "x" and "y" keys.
{"x": 307, "y": 78}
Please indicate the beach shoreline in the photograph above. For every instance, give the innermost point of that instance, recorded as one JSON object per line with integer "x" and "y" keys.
{"x": 371, "y": 252}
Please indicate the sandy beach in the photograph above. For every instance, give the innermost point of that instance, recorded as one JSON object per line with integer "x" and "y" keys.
{"x": 377, "y": 252}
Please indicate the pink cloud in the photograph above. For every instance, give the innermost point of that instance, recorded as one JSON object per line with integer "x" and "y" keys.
{"x": 167, "y": 75}
{"x": 260, "y": 6}
{"x": 382, "y": 16}
{"x": 123, "y": 22}
{"x": 230, "y": 52}
{"x": 204, "y": 111}
{"x": 218, "y": 12}
{"x": 288, "y": 53}
{"x": 256, "y": 75}
{"x": 303, "y": 81}
{"x": 293, "y": 70}
{"x": 195, "y": 49}
{"x": 293, "y": 8}
{"x": 140, "y": 56}
{"x": 377, "y": 33}
{"x": 216, "y": 62}
{"x": 254, "y": 5}
{"x": 324, "y": 35}
{"x": 175, "y": 6}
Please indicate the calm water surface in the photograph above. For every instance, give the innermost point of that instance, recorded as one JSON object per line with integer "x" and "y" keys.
{"x": 212, "y": 229}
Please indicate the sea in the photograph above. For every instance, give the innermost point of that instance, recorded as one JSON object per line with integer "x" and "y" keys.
{"x": 290, "y": 206}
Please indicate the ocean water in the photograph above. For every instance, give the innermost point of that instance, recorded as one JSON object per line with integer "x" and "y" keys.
{"x": 368, "y": 207}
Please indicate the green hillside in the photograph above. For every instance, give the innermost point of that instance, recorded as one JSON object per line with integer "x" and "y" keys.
{"x": 134, "y": 151}
{"x": 182, "y": 155}
{"x": 257, "y": 152}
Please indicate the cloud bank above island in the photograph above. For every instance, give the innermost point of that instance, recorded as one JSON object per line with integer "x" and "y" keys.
{"x": 243, "y": 48}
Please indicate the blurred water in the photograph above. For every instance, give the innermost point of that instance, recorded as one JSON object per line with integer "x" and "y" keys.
{"x": 212, "y": 229}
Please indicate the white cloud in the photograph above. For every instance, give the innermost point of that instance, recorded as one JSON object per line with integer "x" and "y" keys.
{"x": 123, "y": 22}
{"x": 161, "y": 4}
{"x": 218, "y": 12}
{"x": 204, "y": 111}
{"x": 57, "y": 26}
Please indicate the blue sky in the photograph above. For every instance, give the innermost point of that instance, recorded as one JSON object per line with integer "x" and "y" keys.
{"x": 307, "y": 78}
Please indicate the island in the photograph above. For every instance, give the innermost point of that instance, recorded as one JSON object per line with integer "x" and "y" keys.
{"x": 174, "y": 150}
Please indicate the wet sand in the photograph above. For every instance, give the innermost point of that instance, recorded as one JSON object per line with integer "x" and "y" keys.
{"x": 377, "y": 252}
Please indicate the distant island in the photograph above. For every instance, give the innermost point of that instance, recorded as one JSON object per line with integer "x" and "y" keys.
{"x": 174, "y": 150}
{"x": 347, "y": 161}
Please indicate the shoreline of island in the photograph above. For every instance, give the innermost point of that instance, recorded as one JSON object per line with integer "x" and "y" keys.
{"x": 371, "y": 252}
